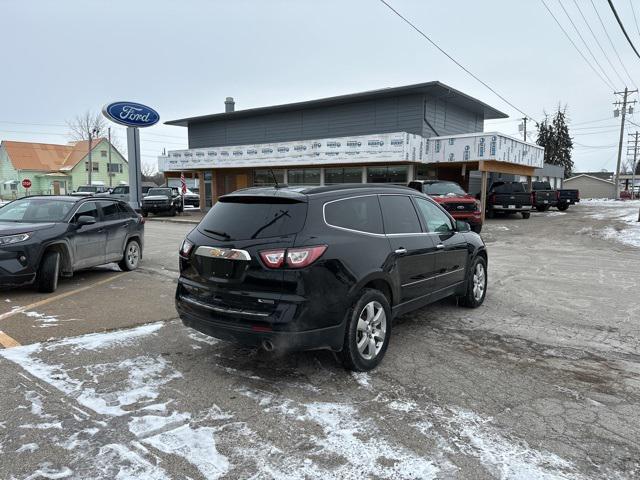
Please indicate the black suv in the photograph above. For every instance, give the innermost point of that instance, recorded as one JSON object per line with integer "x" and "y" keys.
{"x": 45, "y": 237}
{"x": 324, "y": 267}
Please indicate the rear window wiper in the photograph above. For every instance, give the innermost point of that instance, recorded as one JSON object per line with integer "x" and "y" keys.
{"x": 219, "y": 234}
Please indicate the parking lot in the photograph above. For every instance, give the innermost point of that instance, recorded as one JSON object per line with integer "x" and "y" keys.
{"x": 101, "y": 380}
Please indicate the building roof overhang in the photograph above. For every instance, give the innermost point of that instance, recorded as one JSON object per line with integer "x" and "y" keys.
{"x": 436, "y": 89}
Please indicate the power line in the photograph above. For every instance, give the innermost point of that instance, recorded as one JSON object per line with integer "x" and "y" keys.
{"x": 613, "y": 9}
{"x": 585, "y": 44}
{"x": 635, "y": 20}
{"x": 615, "y": 50}
{"x": 575, "y": 46}
{"x": 408, "y": 22}
{"x": 598, "y": 42}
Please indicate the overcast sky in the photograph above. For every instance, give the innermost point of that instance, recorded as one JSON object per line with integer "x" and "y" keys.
{"x": 61, "y": 58}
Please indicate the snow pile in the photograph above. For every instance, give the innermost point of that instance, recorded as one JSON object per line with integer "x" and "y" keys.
{"x": 625, "y": 214}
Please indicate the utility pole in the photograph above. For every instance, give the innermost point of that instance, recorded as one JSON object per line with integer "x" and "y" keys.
{"x": 89, "y": 166}
{"x": 635, "y": 161}
{"x": 523, "y": 127}
{"x": 109, "y": 173}
{"x": 624, "y": 103}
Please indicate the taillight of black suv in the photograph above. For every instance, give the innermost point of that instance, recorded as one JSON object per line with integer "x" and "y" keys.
{"x": 324, "y": 267}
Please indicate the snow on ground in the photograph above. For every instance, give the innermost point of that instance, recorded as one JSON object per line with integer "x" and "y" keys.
{"x": 622, "y": 216}
{"x": 340, "y": 439}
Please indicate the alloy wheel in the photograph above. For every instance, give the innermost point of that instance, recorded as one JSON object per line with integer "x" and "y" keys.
{"x": 479, "y": 282}
{"x": 371, "y": 330}
{"x": 133, "y": 254}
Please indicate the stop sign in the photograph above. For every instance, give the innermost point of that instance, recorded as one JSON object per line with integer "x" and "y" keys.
{"x": 26, "y": 183}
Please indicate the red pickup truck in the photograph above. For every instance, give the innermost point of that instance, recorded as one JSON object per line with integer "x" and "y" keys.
{"x": 453, "y": 199}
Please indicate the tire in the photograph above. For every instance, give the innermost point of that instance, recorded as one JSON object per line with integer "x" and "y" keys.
{"x": 131, "y": 256}
{"x": 172, "y": 212}
{"x": 145, "y": 214}
{"x": 491, "y": 213}
{"x": 476, "y": 284}
{"x": 542, "y": 208}
{"x": 364, "y": 319}
{"x": 563, "y": 206}
{"x": 526, "y": 215}
{"x": 476, "y": 228}
{"x": 48, "y": 273}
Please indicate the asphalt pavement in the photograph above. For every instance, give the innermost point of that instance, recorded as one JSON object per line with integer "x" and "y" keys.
{"x": 542, "y": 381}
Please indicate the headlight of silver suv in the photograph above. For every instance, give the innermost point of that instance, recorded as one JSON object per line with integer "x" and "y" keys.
{"x": 11, "y": 239}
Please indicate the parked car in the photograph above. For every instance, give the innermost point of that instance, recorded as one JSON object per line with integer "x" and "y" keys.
{"x": 543, "y": 196}
{"x": 191, "y": 199}
{"x": 162, "y": 200}
{"x": 509, "y": 197}
{"x": 324, "y": 267}
{"x": 567, "y": 197}
{"x": 45, "y": 237}
{"x": 453, "y": 199}
{"x": 121, "y": 192}
{"x": 90, "y": 190}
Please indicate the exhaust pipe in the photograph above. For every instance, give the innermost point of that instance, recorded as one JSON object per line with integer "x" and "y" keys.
{"x": 267, "y": 345}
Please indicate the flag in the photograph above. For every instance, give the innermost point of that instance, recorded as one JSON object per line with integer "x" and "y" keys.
{"x": 183, "y": 184}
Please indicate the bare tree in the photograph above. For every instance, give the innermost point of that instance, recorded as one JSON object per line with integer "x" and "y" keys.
{"x": 94, "y": 122}
{"x": 89, "y": 123}
{"x": 148, "y": 169}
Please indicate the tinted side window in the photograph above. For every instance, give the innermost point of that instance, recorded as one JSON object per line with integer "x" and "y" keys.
{"x": 399, "y": 215}
{"x": 110, "y": 211}
{"x": 89, "y": 209}
{"x": 434, "y": 218}
{"x": 126, "y": 211}
{"x": 360, "y": 213}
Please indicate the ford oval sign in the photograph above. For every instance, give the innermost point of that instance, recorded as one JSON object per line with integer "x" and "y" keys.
{"x": 131, "y": 114}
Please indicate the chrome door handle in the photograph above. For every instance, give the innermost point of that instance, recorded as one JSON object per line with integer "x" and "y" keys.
{"x": 401, "y": 251}
{"x": 440, "y": 245}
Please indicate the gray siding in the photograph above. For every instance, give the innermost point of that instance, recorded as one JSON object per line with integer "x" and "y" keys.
{"x": 397, "y": 114}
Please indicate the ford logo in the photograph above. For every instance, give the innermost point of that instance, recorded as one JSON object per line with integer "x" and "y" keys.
{"x": 131, "y": 114}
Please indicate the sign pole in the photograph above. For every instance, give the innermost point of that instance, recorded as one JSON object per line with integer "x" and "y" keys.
{"x": 133, "y": 149}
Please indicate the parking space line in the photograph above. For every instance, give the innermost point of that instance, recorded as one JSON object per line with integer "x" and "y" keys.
{"x": 7, "y": 342}
{"x": 16, "y": 311}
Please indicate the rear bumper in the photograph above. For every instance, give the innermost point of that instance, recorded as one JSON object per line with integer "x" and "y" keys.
{"x": 256, "y": 328}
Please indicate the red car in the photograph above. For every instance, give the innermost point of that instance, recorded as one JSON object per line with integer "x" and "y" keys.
{"x": 453, "y": 199}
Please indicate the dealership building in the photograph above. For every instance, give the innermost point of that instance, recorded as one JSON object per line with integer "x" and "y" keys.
{"x": 393, "y": 135}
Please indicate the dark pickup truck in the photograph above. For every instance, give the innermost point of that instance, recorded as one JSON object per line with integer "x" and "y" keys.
{"x": 509, "y": 197}
{"x": 543, "y": 196}
{"x": 162, "y": 200}
{"x": 567, "y": 197}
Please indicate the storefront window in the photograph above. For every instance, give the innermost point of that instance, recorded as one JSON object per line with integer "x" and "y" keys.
{"x": 265, "y": 177}
{"x": 304, "y": 176}
{"x": 390, "y": 174}
{"x": 334, "y": 176}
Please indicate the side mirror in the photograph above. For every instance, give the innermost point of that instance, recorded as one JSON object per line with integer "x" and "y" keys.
{"x": 462, "y": 226}
{"x": 85, "y": 220}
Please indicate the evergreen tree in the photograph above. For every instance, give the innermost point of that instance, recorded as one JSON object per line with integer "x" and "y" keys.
{"x": 554, "y": 137}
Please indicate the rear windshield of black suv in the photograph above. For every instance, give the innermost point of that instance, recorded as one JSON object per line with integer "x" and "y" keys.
{"x": 244, "y": 218}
